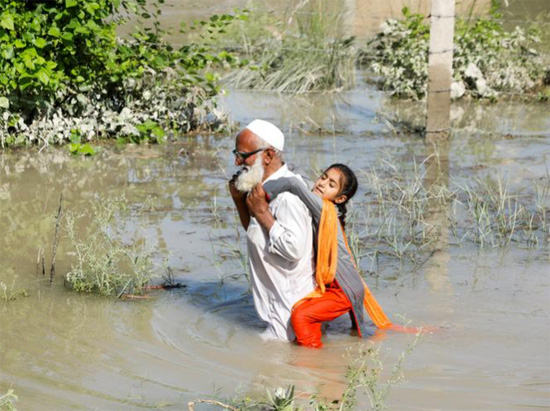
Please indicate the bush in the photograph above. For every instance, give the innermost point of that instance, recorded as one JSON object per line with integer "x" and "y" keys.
{"x": 65, "y": 75}
{"x": 486, "y": 59}
{"x": 106, "y": 264}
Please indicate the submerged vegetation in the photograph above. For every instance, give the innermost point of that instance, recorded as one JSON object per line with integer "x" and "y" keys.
{"x": 487, "y": 60}
{"x": 65, "y": 75}
{"x": 410, "y": 214}
{"x": 10, "y": 293}
{"x": 363, "y": 376}
{"x": 112, "y": 257}
{"x": 7, "y": 401}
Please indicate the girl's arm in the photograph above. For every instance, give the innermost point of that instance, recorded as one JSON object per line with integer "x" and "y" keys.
{"x": 293, "y": 185}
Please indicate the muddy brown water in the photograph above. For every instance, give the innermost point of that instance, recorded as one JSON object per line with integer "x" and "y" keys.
{"x": 64, "y": 351}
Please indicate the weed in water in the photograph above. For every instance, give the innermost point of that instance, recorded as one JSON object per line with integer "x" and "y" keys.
{"x": 404, "y": 213}
{"x": 106, "y": 263}
{"x": 7, "y": 401}
{"x": 363, "y": 374}
{"x": 228, "y": 247}
{"x": 9, "y": 293}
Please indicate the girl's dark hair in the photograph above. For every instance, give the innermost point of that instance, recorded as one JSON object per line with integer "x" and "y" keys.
{"x": 349, "y": 188}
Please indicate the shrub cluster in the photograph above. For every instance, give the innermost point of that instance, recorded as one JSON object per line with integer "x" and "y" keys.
{"x": 104, "y": 263}
{"x": 65, "y": 75}
{"x": 486, "y": 59}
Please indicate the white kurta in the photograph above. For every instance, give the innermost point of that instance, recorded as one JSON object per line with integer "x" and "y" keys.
{"x": 281, "y": 261}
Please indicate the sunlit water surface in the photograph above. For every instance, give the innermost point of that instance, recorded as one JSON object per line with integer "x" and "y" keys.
{"x": 64, "y": 351}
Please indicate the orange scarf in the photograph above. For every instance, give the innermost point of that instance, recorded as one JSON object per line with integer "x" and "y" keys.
{"x": 327, "y": 262}
{"x": 327, "y": 252}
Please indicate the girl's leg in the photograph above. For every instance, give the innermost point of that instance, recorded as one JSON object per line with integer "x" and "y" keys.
{"x": 307, "y": 317}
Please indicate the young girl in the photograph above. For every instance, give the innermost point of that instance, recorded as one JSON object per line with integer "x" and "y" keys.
{"x": 340, "y": 288}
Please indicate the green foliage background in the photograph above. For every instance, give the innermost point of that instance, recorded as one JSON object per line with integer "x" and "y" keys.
{"x": 507, "y": 61}
{"x": 65, "y": 55}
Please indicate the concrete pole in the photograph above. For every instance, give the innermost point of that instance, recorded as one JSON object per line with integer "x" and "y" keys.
{"x": 440, "y": 69}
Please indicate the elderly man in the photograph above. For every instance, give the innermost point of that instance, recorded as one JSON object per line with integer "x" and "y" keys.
{"x": 279, "y": 234}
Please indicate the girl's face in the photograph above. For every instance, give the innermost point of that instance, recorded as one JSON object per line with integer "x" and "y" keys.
{"x": 329, "y": 186}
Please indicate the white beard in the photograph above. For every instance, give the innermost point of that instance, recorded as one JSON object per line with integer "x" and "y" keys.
{"x": 250, "y": 176}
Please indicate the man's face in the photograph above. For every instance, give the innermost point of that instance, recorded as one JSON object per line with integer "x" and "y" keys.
{"x": 249, "y": 157}
{"x": 246, "y": 149}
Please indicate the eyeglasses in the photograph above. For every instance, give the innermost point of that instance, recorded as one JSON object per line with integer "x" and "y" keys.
{"x": 243, "y": 156}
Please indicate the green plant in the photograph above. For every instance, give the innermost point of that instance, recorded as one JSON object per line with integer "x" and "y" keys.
{"x": 8, "y": 292}
{"x": 364, "y": 371}
{"x": 281, "y": 399}
{"x": 304, "y": 51}
{"x": 106, "y": 263}
{"x": 487, "y": 59}
{"x": 64, "y": 70}
{"x": 7, "y": 400}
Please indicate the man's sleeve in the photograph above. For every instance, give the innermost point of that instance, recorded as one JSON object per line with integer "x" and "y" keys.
{"x": 288, "y": 236}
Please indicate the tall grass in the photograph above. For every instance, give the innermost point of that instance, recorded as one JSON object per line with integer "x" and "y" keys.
{"x": 227, "y": 247}
{"x": 306, "y": 50}
{"x": 405, "y": 212}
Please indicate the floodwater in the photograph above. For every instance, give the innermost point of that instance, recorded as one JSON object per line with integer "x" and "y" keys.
{"x": 64, "y": 351}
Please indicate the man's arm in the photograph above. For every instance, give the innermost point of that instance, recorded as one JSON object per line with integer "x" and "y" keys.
{"x": 288, "y": 233}
{"x": 239, "y": 198}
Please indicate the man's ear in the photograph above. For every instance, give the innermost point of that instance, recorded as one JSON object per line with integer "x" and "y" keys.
{"x": 340, "y": 199}
{"x": 269, "y": 156}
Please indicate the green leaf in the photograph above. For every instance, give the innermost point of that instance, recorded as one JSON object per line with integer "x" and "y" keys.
{"x": 7, "y": 21}
{"x": 86, "y": 150}
{"x": 67, "y": 36}
{"x": 40, "y": 42}
{"x": 70, "y": 3}
{"x": 54, "y": 31}
{"x": 73, "y": 148}
{"x": 158, "y": 132}
{"x": 43, "y": 77}
{"x": 4, "y": 102}
{"x": 8, "y": 53}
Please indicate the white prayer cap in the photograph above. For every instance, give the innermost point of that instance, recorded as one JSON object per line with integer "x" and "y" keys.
{"x": 268, "y": 132}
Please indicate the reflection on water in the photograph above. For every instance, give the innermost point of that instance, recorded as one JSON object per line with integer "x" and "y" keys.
{"x": 62, "y": 351}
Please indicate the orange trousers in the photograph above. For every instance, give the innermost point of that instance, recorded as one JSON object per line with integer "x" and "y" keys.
{"x": 307, "y": 318}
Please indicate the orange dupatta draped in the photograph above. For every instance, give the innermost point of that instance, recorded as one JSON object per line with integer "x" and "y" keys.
{"x": 327, "y": 252}
{"x": 327, "y": 262}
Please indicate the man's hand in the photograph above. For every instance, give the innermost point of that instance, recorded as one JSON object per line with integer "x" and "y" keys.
{"x": 259, "y": 208}
{"x": 256, "y": 202}
{"x": 238, "y": 196}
